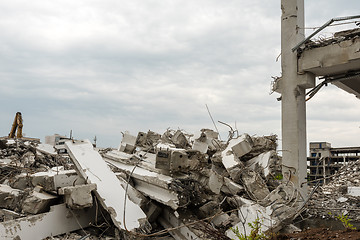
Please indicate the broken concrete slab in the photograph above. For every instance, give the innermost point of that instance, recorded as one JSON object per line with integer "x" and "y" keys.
{"x": 161, "y": 195}
{"x": 216, "y": 181}
{"x": 128, "y": 143}
{"x": 58, "y": 221}
{"x": 232, "y": 153}
{"x": 38, "y": 201}
{"x": 241, "y": 145}
{"x": 200, "y": 146}
{"x": 46, "y": 148}
{"x": 142, "y": 174}
{"x": 211, "y": 138}
{"x": 10, "y": 198}
{"x": 180, "y": 140}
{"x": 94, "y": 169}
{"x": 255, "y": 186}
{"x": 261, "y": 163}
{"x": 51, "y": 180}
{"x": 151, "y": 209}
{"x": 353, "y": 191}
{"x": 78, "y": 197}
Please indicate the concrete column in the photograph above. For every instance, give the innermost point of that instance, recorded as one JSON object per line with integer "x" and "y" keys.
{"x": 292, "y": 89}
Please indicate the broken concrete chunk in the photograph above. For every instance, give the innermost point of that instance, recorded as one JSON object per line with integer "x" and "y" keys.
{"x": 261, "y": 163}
{"x": 78, "y": 197}
{"x": 261, "y": 145}
{"x": 221, "y": 221}
{"x": 231, "y": 188}
{"x": 179, "y": 161}
{"x": 200, "y": 146}
{"x": 241, "y": 145}
{"x": 128, "y": 143}
{"x": 209, "y": 209}
{"x": 284, "y": 193}
{"x": 10, "y": 198}
{"x": 50, "y": 180}
{"x": 161, "y": 195}
{"x": 147, "y": 140}
{"x": 109, "y": 192}
{"x": 236, "y": 149}
{"x": 38, "y": 202}
{"x": 180, "y": 140}
{"x": 211, "y": 138}
{"x": 353, "y": 191}
{"x": 173, "y": 161}
{"x": 255, "y": 186}
{"x": 163, "y": 159}
{"x": 46, "y": 148}
{"x": 216, "y": 181}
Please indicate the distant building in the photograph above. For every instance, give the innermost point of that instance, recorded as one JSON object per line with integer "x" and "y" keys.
{"x": 58, "y": 142}
{"x": 325, "y": 161}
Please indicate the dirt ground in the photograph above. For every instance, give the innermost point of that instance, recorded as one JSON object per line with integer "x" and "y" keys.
{"x": 323, "y": 234}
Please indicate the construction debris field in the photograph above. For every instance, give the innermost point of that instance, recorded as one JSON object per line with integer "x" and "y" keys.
{"x": 171, "y": 185}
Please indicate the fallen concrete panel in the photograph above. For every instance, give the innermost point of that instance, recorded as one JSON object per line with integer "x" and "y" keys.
{"x": 58, "y": 221}
{"x": 162, "y": 195}
{"x": 142, "y": 174}
{"x": 94, "y": 169}
{"x": 46, "y": 148}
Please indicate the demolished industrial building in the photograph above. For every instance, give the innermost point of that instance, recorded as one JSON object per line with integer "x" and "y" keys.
{"x": 169, "y": 184}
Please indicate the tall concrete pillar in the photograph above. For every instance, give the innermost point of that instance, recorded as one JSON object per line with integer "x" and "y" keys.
{"x": 292, "y": 87}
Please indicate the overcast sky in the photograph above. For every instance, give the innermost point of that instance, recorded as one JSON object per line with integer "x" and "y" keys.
{"x": 103, "y": 67}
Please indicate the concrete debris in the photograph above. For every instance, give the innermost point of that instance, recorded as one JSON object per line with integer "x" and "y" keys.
{"x": 58, "y": 220}
{"x": 78, "y": 197}
{"x": 128, "y": 143}
{"x": 38, "y": 201}
{"x": 339, "y": 196}
{"x": 200, "y": 187}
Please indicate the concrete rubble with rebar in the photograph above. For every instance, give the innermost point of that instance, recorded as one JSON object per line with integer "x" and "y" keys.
{"x": 171, "y": 184}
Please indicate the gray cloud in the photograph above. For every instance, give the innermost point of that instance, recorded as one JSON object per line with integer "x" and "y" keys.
{"x": 100, "y": 68}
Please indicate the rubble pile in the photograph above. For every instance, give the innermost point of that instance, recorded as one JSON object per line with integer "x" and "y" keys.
{"x": 340, "y": 195}
{"x": 171, "y": 184}
{"x": 222, "y": 184}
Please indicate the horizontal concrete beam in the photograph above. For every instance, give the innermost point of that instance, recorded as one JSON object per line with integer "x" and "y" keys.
{"x": 331, "y": 59}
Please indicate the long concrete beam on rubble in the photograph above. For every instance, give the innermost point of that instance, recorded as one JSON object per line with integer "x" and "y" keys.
{"x": 110, "y": 193}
